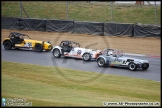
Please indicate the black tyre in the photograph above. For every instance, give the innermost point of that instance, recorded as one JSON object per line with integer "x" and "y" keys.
{"x": 132, "y": 66}
{"x": 86, "y": 57}
{"x": 56, "y": 53}
{"x": 145, "y": 66}
{"x": 7, "y": 45}
{"x": 101, "y": 62}
{"x": 39, "y": 47}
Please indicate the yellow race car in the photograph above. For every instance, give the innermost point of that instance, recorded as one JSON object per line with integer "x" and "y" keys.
{"x": 19, "y": 40}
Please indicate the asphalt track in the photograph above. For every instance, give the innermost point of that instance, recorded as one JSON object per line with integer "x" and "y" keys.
{"x": 47, "y": 59}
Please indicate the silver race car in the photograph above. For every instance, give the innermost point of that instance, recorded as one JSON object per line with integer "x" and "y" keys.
{"x": 73, "y": 49}
{"x": 117, "y": 58}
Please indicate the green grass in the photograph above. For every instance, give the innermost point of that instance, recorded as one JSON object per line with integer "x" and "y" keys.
{"x": 46, "y": 86}
{"x": 83, "y": 11}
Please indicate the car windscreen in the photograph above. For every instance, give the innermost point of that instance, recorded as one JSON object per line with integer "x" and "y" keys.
{"x": 75, "y": 45}
{"x": 120, "y": 53}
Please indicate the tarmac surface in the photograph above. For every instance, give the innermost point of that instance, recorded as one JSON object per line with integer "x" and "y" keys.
{"x": 47, "y": 59}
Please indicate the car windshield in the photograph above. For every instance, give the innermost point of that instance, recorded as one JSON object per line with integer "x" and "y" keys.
{"x": 26, "y": 37}
{"x": 75, "y": 45}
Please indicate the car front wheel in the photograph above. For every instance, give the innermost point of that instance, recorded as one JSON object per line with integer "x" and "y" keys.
{"x": 7, "y": 45}
{"x": 56, "y": 53}
{"x": 39, "y": 47}
{"x": 132, "y": 66}
{"x": 87, "y": 57}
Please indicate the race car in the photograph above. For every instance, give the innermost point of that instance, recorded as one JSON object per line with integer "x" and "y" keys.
{"x": 117, "y": 58}
{"x": 72, "y": 49}
{"x": 19, "y": 40}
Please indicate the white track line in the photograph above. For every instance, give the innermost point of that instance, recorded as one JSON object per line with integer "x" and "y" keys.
{"x": 135, "y": 54}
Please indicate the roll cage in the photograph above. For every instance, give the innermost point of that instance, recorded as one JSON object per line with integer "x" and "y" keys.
{"x": 67, "y": 46}
{"x": 112, "y": 52}
{"x": 69, "y": 43}
{"x": 17, "y": 38}
{"x": 17, "y": 35}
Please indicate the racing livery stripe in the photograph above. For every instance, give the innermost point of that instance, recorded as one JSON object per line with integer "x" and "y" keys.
{"x": 78, "y": 55}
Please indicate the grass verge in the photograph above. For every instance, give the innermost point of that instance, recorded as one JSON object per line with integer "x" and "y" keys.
{"x": 44, "y": 86}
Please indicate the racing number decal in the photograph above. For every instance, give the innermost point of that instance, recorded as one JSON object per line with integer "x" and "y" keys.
{"x": 79, "y": 52}
{"x": 124, "y": 62}
{"x": 28, "y": 44}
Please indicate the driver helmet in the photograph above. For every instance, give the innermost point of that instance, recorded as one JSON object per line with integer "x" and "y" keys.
{"x": 110, "y": 53}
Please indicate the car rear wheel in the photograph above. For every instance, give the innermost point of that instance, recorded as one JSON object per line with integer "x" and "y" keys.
{"x": 101, "y": 62}
{"x": 132, "y": 66}
{"x": 86, "y": 56}
{"x": 7, "y": 45}
{"x": 39, "y": 47}
{"x": 56, "y": 53}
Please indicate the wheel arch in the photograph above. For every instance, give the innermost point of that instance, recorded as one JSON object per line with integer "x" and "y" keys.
{"x": 135, "y": 62}
{"x": 37, "y": 43}
{"x": 42, "y": 43}
{"x": 8, "y": 41}
{"x": 58, "y": 49}
{"x": 102, "y": 57}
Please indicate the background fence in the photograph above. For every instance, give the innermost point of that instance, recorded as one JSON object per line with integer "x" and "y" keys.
{"x": 95, "y": 28}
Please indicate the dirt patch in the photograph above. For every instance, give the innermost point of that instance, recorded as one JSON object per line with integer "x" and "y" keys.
{"x": 149, "y": 46}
